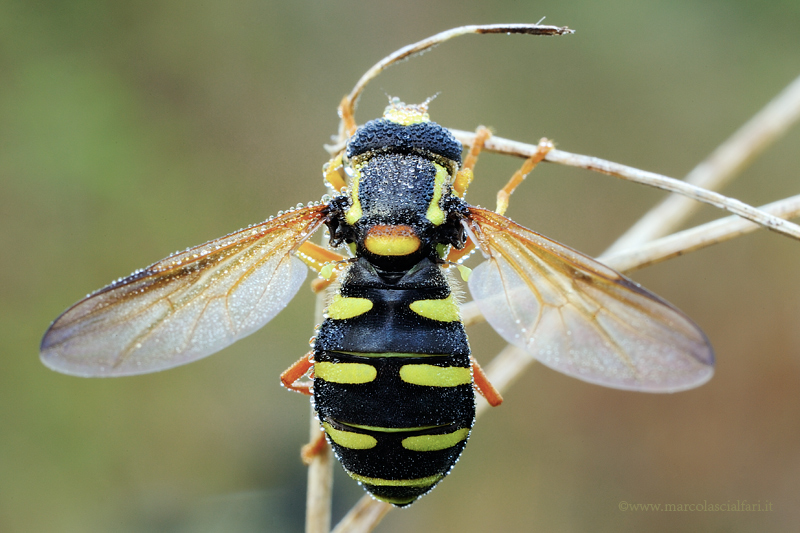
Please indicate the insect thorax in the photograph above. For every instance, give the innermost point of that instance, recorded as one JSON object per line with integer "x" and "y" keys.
{"x": 400, "y": 208}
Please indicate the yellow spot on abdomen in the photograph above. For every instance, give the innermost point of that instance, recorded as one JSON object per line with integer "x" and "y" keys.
{"x": 350, "y": 439}
{"x": 433, "y": 443}
{"x": 348, "y": 373}
{"x": 392, "y": 240}
{"x": 445, "y": 310}
{"x": 342, "y": 307}
{"x": 435, "y": 376}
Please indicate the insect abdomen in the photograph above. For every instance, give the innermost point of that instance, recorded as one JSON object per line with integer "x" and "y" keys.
{"x": 393, "y": 385}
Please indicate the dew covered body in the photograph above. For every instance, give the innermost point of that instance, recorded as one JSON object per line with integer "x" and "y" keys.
{"x": 393, "y": 387}
{"x": 392, "y": 378}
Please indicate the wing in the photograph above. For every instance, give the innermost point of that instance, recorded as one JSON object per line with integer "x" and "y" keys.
{"x": 580, "y": 317}
{"x": 186, "y": 306}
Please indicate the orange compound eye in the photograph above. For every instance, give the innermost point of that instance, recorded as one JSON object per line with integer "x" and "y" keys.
{"x": 392, "y": 240}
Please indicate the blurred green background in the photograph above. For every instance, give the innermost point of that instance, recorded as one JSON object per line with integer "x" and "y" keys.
{"x": 132, "y": 129}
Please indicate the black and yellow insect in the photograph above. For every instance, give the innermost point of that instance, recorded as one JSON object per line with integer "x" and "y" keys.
{"x": 393, "y": 379}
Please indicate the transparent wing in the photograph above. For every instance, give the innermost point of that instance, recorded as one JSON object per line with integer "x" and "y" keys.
{"x": 186, "y": 306}
{"x": 580, "y": 317}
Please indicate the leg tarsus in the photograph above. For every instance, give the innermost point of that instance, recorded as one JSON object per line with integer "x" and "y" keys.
{"x": 483, "y": 386}
{"x": 313, "y": 448}
{"x": 291, "y": 376}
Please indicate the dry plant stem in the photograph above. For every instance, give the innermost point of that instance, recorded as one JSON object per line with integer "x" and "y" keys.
{"x": 320, "y": 485}
{"x": 692, "y": 239}
{"x": 717, "y": 169}
{"x": 421, "y": 46}
{"x": 347, "y": 107}
{"x": 363, "y": 517}
{"x": 319, "y": 494}
{"x": 506, "y": 146}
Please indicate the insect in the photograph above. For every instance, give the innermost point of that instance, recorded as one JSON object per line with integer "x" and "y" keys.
{"x": 393, "y": 379}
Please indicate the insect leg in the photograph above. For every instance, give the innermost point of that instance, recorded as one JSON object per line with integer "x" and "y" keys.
{"x": 319, "y": 259}
{"x": 483, "y": 386}
{"x": 333, "y": 172}
{"x": 463, "y": 179}
{"x": 464, "y": 175}
{"x": 316, "y": 256}
{"x": 504, "y": 194}
{"x": 313, "y": 448}
{"x": 291, "y": 376}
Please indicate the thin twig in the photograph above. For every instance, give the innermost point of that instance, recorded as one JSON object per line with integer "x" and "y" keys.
{"x": 682, "y": 242}
{"x": 319, "y": 494}
{"x": 426, "y": 44}
{"x": 507, "y": 146}
{"x": 320, "y": 485}
{"x": 363, "y": 517}
{"x": 730, "y": 158}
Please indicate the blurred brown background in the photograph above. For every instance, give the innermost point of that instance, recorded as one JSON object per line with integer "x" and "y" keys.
{"x": 131, "y": 129}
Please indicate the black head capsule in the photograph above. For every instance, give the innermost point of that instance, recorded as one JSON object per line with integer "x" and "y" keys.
{"x": 400, "y": 205}
{"x": 405, "y": 129}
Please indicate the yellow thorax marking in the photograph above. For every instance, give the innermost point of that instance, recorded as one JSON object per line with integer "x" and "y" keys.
{"x": 348, "y": 373}
{"x": 392, "y": 240}
{"x": 436, "y": 376}
{"x": 354, "y": 212}
{"x": 349, "y": 439}
{"x": 342, "y": 307}
{"x": 432, "y": 443}
{"x": 445, "y": 310}
{"x": 435, "y": 213}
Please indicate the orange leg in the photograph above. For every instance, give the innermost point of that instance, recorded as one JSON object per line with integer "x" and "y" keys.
{"x": 463, "y": 179}
{"x": 504, "y": 194}
{"x": 316, "y": 257}
{"x": 291, "y": 377}
{"x": 313, "y": 448}
{"x": 483, "y": 386}
{"x": 464, "y": 176}
{"x": 334, "y": 174}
